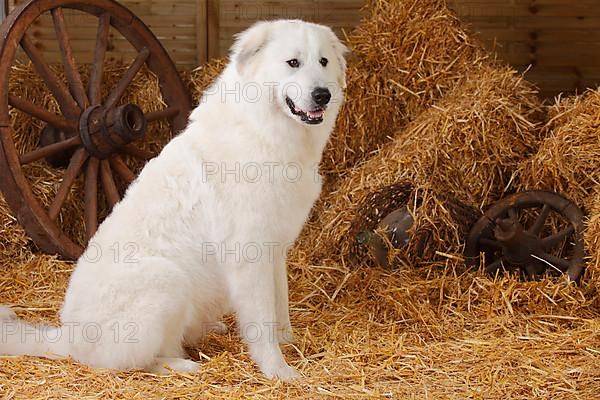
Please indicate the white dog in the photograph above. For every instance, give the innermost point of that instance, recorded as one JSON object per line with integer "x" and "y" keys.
{"x": 204, "y": 229}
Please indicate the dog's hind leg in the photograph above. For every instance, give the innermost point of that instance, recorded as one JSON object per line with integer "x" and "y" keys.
{"x": 142, "y": 312}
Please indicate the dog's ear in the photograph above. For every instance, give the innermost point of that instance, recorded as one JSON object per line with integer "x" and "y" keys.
{"x": 248, "y": 44}
{"x": 340, "y": 52}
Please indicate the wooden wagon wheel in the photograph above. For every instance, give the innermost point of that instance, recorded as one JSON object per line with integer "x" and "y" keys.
{"x": 532, "y": 232}
{"x": 96, "y": 135}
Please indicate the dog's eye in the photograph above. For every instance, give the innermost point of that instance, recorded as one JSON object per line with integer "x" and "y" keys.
{"x": 324, "y": 61}
{"x": 294, "y": 63}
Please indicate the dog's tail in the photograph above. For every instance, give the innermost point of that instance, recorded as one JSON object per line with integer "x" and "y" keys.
{"x": 18, "y": 338}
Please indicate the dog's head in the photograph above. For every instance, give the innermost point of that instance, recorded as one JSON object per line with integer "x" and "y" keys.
{"x": 300, "y": 64}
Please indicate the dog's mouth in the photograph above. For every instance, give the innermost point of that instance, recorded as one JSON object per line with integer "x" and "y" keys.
{"x": 309, "y": 117}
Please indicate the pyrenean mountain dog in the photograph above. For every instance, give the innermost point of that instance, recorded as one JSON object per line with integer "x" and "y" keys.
{"x": 204, "y": 229}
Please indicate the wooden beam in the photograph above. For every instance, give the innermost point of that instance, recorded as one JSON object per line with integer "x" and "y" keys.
{"x": 201, "y": 31}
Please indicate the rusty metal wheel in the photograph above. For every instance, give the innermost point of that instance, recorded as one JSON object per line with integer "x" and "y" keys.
{"x": 532, "y": 232}
{"x": 97, "y": 138}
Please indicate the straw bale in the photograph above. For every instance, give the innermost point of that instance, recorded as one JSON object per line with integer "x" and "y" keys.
{"x": 568, "y": 160}
{"x": 200, "y": 78}
{"x": 404, "y": 56}
{"x": 466, "y": 146}
{"x": 14, "y": 239}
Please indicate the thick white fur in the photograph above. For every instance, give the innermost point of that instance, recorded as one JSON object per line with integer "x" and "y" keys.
{"x": 165, "y": 286}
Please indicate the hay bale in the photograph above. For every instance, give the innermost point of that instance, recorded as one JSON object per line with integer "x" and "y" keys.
{"x": 568, "y": 160}
{"x": 200, "y": 78}
{"x": 466, "y": 146}
{"x": 405, "y": 56}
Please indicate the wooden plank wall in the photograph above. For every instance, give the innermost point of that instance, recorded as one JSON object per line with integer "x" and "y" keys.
{"x": 176, "y": 23}
{"x": 231, "y": 16}
{"x": 558, "y": 39}
{"x": 191, "y": 30}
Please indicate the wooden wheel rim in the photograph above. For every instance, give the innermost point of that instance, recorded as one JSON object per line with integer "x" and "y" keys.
{"x": 45, "y": 232}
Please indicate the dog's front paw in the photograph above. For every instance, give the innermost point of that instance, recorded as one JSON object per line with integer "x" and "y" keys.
{"x": 166, "y": 366}
{"x": 285, "y": 373}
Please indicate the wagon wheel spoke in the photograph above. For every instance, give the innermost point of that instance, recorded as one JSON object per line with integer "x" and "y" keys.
{"x": 491, "y": 243}
{"x": 91, "y": 197}
{"x": 69, "y": 177}
{"x": 168, "y": 112}
{"x": 71, "y": 72}
{"x": 49, "y": 150}
{"x": 138, "y": 153}
{"x": 552, "y": 240}
{"x": 38, "y": 112}
{"x": 108, "y": 183}
{"x": 94, "y": 92}
{"x": 538, "y": 225}
{"x": 56, "y": 87}
{"x": 553, "y": 261}
{"x": 127, "y": 78}
{"x": 119, "y": 166}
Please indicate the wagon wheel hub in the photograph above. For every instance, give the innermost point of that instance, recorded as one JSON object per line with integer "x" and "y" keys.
{"x": 103, "y": 131}
{"x": 518, "y": 245}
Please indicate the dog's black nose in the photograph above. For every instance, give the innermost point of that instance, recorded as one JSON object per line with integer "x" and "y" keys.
{"x": 321, "y": 96}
